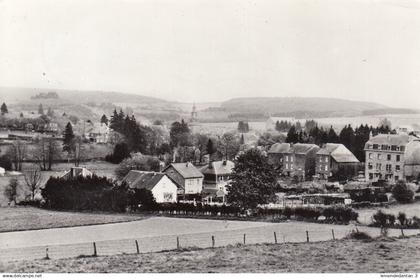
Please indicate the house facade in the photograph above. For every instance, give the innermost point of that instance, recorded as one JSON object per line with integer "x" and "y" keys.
{"x": 216, "y": 178}
{"x": 299, "y": 161}
{"x": 98, "y": 133}
{"x": 164, "y": 190}
{"x": 385, "y": 157}
{"x": 334, "y": 157}
{"x": 276, "y": 153}
{"x": 186, "y": 176}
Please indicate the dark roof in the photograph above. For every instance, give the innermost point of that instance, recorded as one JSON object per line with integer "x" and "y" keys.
{"x": 300, "y": 148}
{"x": 338, "y": 152}
{"x": 218, "y": 168}
{"x": 187, "y": 170}
{"x": 279, "y": 148}
{"x": 139, "y": 179}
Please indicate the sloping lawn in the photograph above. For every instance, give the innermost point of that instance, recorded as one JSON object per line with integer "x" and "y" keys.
{"x": 332, "y": 256}
{"x": 30, "y": 218}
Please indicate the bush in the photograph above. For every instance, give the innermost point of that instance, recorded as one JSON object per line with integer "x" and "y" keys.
{"x": 6, "y": 162}
{"x": 85, "y": 193}
{"x": 121, "y": 152}
{"x": 359, "y": 235}
{"x": 381, "y": 219}
{"x": 402, "y": 193}
{"x": 143, "y": 199}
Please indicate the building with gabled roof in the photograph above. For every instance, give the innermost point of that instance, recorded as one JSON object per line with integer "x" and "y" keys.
{"x": 164, "y": 190}
{"x": 299, "y": 160}
{"x": 385, "y": 157}
{"x": 276, "y": 152}
{"x": 216, "y": 178}
{"x": 334, "y": 157}
{"x": 186, "y": 176}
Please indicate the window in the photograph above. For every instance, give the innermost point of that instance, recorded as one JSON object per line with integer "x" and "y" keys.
{"x": 287, "y": 166}
{"x": 326, "y": 168}
{"x": 326, "y": 159}
{"x": 398, "y": 157}
{"x": 397, "y": 178}
{"x": 402, "y": 148}
{"x": 320, "y": 159}
{"x": 388, "y": 167}
{"x": 388, "y": 157}
{"x": 379, "y": 156}
{"x": 397, "y": 167}
{"x": 375, "y": 146}
{"x": 291, "y": 159}
{"x": 370, "y": 176}
{"x": 378, "y": 166}
{"x": 370, "y": 155}
{"x": 393, "y": 148}
{"x": 287, "y": 158}
{"x": 384, "y": 147}
{"x": 370, "y": 166}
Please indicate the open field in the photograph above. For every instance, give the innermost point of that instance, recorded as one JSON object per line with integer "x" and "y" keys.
{"x": 30, "y": 218}
{"x": 332, "y": 256}
{"x": 365, "y": 215}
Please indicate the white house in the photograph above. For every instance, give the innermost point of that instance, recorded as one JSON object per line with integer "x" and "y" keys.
{"x": 2, "y": 172}
{"x": 163, "y": 189}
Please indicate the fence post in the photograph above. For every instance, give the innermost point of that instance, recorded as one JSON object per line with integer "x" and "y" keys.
{"x": 244, "y": 239}
{"x": 212, "y": 241}
{"x": 332, "y": 231}
{"x": 94, "y": 250}
{"x": 275, "y": 238}
{"x": 47, "y": 257}
{"x": 307, "y": 236}
{"x": 137, "y": 247}
{"x": 177, "y": 242}
{"x": 402, "y": 232}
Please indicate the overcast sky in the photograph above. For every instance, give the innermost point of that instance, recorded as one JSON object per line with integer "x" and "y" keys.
{"x": 212, "y": 50}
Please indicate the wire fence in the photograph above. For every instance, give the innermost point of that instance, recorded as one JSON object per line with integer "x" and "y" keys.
{"x": 198, "y": 240}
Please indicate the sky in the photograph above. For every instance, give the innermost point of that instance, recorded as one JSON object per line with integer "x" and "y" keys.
{"x": 214, "y": 50}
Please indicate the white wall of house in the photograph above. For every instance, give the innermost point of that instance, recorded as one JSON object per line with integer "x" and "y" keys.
{"x": 165, "y": 191}
{"x": 193, "y": 186}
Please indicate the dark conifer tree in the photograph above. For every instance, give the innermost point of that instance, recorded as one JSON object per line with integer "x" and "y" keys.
{"x": 68, "y": 140}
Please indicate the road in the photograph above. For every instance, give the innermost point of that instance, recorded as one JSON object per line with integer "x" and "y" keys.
{"x": 161, "y": 233}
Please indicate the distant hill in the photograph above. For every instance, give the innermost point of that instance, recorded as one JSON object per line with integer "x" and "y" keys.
{"x": 303, "y": 107}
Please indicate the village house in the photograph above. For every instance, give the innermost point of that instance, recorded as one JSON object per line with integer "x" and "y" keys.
{"x": 216, "y": 178}
{"x": 164, "y": 190}
{"x": 276, "y": 153}
{"x": 334, "y": 157}
{"x": 299, "y": 161}
{"x": 385, "y": 157}
{"x": 270, "y": 124}
{"x": 76, "y": 172}
{"x": 187, "y": 177}
{"x": 98, "y": 133}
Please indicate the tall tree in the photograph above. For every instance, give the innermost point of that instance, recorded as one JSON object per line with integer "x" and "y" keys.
{"x": 50, "y": 112}
{"x": 332, "y": 136}
{"x": 253, "y": 181}
{"x": 211, "y": 149}
{"x": 40, "y": 109}
{"x": 17, "y": 152}
{"x": 32, "y": 180}
{"x": 4, "y": 109}
{"x": 104, "y": 119}
{"x": 228, "y": 145}
{"x": 292, "y": 136}
{"x": 68, "y": 141}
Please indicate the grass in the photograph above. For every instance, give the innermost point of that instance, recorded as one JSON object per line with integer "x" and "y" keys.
{"x": 30, "y": 218}
{"x": 331, "y": 256}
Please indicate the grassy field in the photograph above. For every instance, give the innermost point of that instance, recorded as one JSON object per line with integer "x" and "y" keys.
{"x": 29, "y": 218}
{"x": 381, "y": 255}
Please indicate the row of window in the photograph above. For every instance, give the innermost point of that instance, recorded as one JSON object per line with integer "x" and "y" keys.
{"x": 379, "y": 176}
{"x": 386, "y": 147}
{"x": 388, "y": 167}
{"x": 388, "y": 156}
